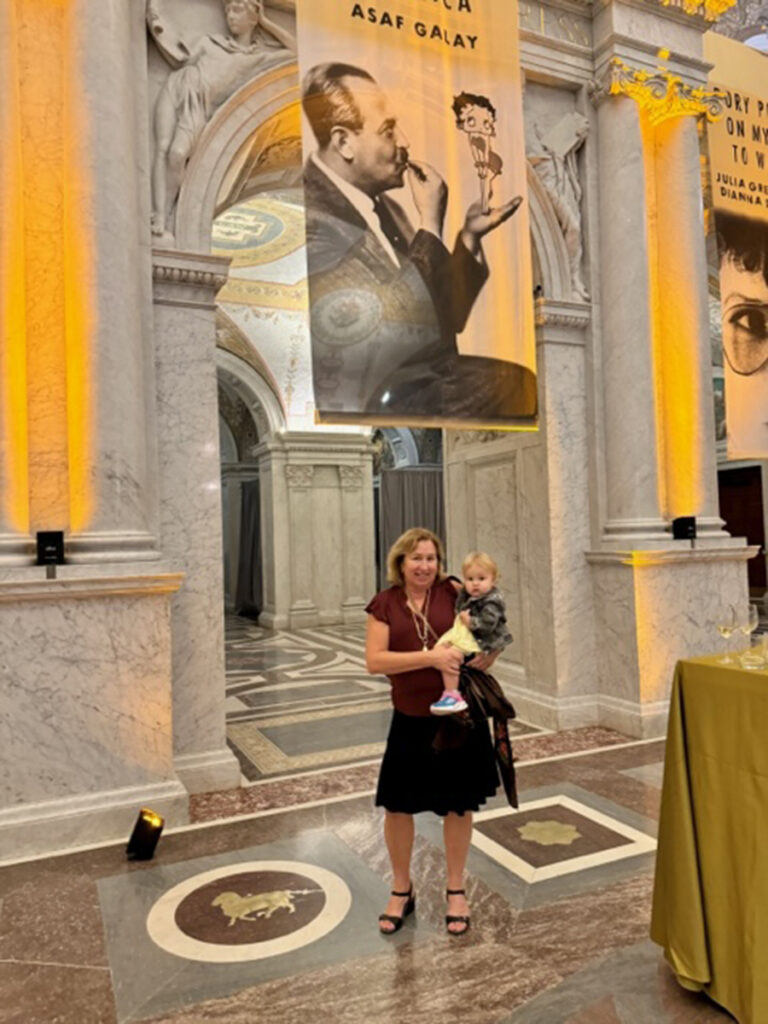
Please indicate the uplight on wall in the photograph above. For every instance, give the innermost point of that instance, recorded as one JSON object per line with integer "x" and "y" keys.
{"x": 145, "y": 835}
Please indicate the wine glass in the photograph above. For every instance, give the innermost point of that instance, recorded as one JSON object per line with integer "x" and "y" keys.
{"x": 726, "y": 627}
{"x": 751, "y": 658}
{"x": 753, "y": 620}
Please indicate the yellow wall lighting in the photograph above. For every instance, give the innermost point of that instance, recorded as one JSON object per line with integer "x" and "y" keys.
{"x": 47, "y": 264}
{"x": 13, "y": 329}
{"x": 676, "y": 341}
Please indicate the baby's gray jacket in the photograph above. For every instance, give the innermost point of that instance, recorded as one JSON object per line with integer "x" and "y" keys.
{"x": 487, "y": 619}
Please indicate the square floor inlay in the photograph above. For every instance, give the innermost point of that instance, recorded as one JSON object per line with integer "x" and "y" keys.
{"x": 554, "y": 836}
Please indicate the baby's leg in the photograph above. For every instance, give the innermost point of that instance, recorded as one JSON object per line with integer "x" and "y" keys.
{"x": 450, "y": 676}
{"x": 450, "y": 701}
{"x": 450, "y": 680}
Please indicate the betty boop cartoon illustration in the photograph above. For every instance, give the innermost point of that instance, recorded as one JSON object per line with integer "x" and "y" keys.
{"x": 476, "y": 116}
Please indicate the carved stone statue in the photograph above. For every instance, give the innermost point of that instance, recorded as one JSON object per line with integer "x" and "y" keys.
{"x": 208, "y": 70}
{"x": 554, "y": 157}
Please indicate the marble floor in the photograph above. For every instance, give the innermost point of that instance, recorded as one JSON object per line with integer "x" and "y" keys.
{"x": 264, "y": 909}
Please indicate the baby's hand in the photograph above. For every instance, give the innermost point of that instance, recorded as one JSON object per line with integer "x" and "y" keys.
{"x": 464, "y": 616}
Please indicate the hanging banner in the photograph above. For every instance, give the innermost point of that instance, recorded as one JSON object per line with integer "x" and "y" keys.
{"x": 418, "y": 247}
{"x": 738, "y": 150}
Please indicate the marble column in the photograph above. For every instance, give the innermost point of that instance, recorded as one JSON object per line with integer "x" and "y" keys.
{"x": 632, "y": 485}
{"x": 686, "y": 370}
{"x": 106, "y": 130}
{"x": 185, "y": 290}
{"x": 656, "y": 599}
{"x": 317, "y": 528}
{"x": 562, "y": 334}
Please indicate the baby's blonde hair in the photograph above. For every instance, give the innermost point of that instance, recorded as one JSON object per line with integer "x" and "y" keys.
{"x": 484, "y": 561}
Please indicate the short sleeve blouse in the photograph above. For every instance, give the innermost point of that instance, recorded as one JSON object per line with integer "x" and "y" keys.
{"x": 413, "y": 692}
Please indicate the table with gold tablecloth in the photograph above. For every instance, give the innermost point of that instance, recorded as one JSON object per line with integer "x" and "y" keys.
{"x": 710, "y": 900}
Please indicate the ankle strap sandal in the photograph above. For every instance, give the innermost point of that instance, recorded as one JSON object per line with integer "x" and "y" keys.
{"x": 457, "y": 918}
{"x": 394, "y": 919}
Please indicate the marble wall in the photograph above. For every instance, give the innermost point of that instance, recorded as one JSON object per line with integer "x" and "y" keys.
{"x": 86, "y": 718}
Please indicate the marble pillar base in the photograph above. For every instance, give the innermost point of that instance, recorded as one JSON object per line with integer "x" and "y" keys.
{"x": 57, "y": 825}
{"x": 85, "y": 721}
{"x": 632, "y": 718}
{"x": 642, "y": 721}
{"x": 652, "y": 608}
{"x": 208, "y": 772}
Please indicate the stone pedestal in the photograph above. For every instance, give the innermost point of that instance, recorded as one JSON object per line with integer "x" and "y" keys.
{"x": 85, "y": 720}
{"x": 653, "y": 608}
{"x": 190, "y": 509}
{"x": 317, "y": 528}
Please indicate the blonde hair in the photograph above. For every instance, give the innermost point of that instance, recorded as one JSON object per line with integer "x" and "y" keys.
{"x": 484, "y": 561}
{"x": 404, "y": 545}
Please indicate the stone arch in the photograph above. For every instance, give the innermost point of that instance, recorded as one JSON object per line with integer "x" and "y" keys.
{"x": 262, "y": 114}
{"x": 228, "y": 447}
{"x": 253, "y": 390}
{"x": 547, "y": 241}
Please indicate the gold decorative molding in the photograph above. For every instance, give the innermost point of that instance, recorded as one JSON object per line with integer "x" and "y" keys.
{"x": 662, "y": 95}
{"x": 710, "y": 10}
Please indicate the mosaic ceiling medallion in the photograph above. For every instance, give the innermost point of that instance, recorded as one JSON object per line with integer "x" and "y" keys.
{"x": 258, "y": 231}
{"x": 248, "y": 911}
{"x": 346, "y": 317}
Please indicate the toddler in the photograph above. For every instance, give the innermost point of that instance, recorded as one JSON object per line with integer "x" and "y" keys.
{"x": 480, "y": 624}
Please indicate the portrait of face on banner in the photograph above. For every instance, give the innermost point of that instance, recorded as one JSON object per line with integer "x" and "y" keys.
{"x": 418, "y": 243}
{"x": 738, "y": 149}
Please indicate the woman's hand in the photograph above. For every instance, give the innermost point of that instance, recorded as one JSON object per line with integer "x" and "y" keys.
{"x": 483, "y": 661}
{"x": 447, "y": 658}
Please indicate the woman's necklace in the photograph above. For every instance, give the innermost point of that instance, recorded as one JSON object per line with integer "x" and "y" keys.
{"x": 420, "y": 621}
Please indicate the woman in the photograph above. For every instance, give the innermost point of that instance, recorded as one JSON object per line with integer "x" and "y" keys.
{"x": 404, "y": 622}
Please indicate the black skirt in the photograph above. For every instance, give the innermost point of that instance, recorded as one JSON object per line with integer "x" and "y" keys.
{"x": 415, "y": 777}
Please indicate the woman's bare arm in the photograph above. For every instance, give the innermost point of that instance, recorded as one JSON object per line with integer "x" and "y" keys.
{"x": 379, "y": 660}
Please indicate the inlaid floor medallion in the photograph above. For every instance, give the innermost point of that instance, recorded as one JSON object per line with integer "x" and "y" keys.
{"x": 248, "y": 911}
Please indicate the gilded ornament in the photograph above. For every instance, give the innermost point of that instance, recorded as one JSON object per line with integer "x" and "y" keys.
{"x": 662, "y": 95}
{"x": 260, "y": 904}
{"x": 711, "y": 10}
{"x": 549, "y": 833}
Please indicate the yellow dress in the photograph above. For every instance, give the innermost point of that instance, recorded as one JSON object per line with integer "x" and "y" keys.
{"x": 460, "y": 636}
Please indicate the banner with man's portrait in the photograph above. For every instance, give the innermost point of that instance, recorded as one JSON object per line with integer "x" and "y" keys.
{"x": 420, "y": 282}
{"x": 738, "y": 151}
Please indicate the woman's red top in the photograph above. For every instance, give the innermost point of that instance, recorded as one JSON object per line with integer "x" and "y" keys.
{"x": 413, "y": 692}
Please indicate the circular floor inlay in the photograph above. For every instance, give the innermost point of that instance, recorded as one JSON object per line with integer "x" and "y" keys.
{"x": 248, "y": 911}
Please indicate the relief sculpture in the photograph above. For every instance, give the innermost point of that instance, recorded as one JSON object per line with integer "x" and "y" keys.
{"x": 207, "y": 70}
{"x": 554, "y": 156}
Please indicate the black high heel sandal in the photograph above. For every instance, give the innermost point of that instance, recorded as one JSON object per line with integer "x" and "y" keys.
{"x": 394, "y": 919}
{"x": 457, "y": 918}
